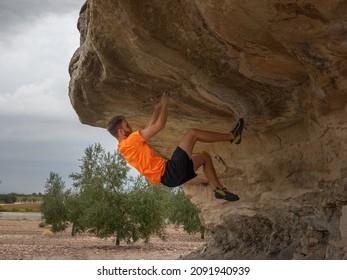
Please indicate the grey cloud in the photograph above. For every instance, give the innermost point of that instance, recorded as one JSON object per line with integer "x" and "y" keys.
{"x": 39, "y": 131}
{"x": 15, "y": 14}
{"x": 36, "y": 147}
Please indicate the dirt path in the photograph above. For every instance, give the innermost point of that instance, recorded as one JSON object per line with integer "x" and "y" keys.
{"x": 23, "y": 239}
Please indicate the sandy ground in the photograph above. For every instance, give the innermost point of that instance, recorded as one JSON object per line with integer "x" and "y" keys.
{"x": 24, "y": 239}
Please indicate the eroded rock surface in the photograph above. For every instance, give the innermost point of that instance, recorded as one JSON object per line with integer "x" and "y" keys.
{"x": 280, "y": 64}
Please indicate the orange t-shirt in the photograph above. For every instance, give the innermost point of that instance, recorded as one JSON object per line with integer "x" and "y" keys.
{"x": 139, "y": 155}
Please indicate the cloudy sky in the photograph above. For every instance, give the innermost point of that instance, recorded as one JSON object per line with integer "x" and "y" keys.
{"x": 39, "y": 130}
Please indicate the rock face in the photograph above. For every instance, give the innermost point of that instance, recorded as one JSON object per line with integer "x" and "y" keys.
{"x": 280, "y": 64}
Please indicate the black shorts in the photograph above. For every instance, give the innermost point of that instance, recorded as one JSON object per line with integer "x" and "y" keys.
{"x": 179, "y": 169}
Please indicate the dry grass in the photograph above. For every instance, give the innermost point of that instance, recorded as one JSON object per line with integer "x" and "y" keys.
{"x": 21, "y": 207}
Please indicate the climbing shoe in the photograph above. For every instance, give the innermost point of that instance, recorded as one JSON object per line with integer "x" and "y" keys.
{"x": 237, "y": 132}
{"x": 225, "y": 194}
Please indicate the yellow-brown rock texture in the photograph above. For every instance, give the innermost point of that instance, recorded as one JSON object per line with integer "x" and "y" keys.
{"x": 280, "y": 64}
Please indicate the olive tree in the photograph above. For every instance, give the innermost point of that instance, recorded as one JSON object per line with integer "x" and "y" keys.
{"x": 102, "y": 193}
{"x": 149, "y": 208}
{"x": 186, "y": 214}
{"x": 53, "y": 207}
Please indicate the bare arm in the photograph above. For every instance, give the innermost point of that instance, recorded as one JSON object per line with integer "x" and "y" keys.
{"x": 154, "y": 115}
{"x": 158, "y": 119}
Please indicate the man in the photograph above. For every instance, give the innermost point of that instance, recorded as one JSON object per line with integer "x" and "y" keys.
{"x": 182, "y": 166}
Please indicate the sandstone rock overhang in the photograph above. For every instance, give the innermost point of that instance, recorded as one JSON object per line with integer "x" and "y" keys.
{"x": 279, "y": 64}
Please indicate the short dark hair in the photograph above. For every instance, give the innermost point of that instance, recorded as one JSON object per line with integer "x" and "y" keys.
{"x": 114, "y": 124}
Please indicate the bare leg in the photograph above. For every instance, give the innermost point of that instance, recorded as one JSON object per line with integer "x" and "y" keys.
{"x": 189, "y": 139}
{"x": 187, "y": 144}
{"x": 205, "y": 160}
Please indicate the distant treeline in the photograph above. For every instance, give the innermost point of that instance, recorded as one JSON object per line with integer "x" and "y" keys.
{"x": 16, "y": 197}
